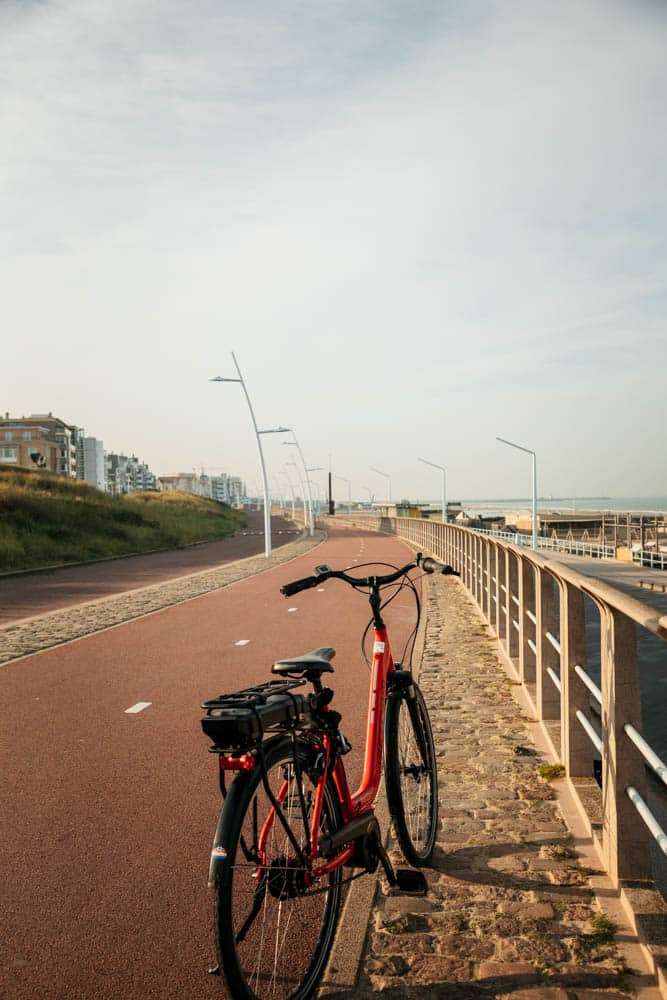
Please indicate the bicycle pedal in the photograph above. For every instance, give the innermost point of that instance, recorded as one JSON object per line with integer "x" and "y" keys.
{"x": 410, "y": 882}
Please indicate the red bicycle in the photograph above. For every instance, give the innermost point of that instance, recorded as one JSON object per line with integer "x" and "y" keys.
{"x": 290, "y": 827}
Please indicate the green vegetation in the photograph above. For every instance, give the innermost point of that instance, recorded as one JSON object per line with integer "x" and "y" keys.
{"x": 602, "y": 933}
{"x": 551, "y": 771}
{"x": 47, "y": 520}
{"x": 603, "y": 929}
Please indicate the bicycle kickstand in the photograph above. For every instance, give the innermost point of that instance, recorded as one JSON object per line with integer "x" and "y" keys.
{"x": 405, "y": 881}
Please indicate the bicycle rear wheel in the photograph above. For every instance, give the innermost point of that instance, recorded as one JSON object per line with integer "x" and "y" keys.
{"x": 411, "y": 775}
{"x": 273, "y": 933}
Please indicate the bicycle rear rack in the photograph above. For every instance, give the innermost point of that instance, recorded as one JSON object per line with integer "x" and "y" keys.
{"x": 242, "y": 719}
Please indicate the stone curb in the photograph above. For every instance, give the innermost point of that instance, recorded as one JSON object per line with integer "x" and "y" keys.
{"x": 35, "y": 634}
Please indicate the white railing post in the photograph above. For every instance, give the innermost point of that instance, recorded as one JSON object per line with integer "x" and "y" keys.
{"x": 547, "y": 696}
{"x": 576, "y": 747}
{"x": 527, "y": 627}
{"x": 625, "y": 839}
{"x": 499, "y": 574}
{"x": 501, "y": 617}
{"x": 512, "y": 591}
{"x": 477, "y": 568}
{"x": 486, "y": 581}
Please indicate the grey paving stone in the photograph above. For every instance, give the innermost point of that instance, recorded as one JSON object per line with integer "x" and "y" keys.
{"x": 509, "y": 908}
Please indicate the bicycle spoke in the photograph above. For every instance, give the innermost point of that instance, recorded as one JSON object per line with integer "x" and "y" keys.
{"x": 282, "y": 926}
{"x": 412, "y": 781}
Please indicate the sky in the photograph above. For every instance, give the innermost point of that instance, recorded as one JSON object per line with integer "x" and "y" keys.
{"x": 418, "y": 225}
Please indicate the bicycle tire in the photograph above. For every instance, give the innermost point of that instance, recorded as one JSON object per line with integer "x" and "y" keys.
{"x": 285, "y": 950}
{"x": 411, "y": 775}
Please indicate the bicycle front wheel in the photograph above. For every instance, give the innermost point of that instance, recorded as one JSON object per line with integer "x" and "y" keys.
{"x": 411, "y": 775}
{"x": 274, "y": 931}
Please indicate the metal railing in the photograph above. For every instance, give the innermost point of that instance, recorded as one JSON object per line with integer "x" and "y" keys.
{"x": 594, "y": 550}
{"x": 536, "y": 608}
{"x": 652, "y": 560}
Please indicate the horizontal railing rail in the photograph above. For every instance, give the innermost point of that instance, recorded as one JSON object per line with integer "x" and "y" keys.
{"x": 576, "y": 547}
{"x": 536, "y": 609}
{"x": 652, "y": 560}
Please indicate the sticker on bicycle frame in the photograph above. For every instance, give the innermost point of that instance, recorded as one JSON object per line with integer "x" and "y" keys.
{"x": 219, "y": 852}
{"x": 378, "y": 647}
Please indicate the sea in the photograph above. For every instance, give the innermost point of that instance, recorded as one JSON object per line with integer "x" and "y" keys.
{"x": 645, "y": 505}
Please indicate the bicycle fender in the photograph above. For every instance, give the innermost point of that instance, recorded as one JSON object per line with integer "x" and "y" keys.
{"x": 218, "y": 855}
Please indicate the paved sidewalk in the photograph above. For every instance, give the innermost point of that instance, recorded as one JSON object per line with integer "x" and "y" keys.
{"x": 510, "y": 912}
{"x": 28, "y": 593}
{"x": 31, "y": 635}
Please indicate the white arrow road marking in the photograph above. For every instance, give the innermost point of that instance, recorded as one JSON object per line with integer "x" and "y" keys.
{"x": 139, "y": 707}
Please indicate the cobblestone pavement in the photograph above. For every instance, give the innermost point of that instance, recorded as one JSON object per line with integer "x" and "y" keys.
{"x": 31, "y": 635}
{"x": 509, "y": 911}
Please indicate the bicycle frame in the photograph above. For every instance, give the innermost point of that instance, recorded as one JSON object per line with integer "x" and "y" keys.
{"x": 358, "y": 802}
{"x": 363, "y": 798}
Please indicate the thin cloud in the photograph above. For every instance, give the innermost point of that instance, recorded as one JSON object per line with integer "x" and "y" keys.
{"x": 401, "y": 220}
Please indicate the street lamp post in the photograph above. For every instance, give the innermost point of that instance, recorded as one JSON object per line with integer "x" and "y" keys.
{"x": 370, "y": 495}
{"x": 532, "y": 454}
{"x": 304, "y": 498}
{"x": 258, "y": 433}
{"x": 349, "y": 491}
{"x": 387, "y": 477}
{"x": 279, "y": 491}
{"x": 291, "y": 489}
{"x": 318, "y": 495}
{"x": 444, "y": 487}
{"x": 295, "y": 443}
{"x": 312, "y": 482}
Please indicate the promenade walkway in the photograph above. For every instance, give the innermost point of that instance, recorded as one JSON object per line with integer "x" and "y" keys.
{"x": 511, "y": 911}
{"x": 513, "y": 908}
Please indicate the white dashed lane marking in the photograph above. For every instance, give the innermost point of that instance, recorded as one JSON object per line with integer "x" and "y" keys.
{"x": 139, "y": 707}
{"x": 242, "y": 642}
{"x": 292, "y": 609}
{"x": 320, "y": 590}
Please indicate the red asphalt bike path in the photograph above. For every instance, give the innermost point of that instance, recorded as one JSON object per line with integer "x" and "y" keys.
{"x": 28, "y": 594}
{"x": 108, "y": 818}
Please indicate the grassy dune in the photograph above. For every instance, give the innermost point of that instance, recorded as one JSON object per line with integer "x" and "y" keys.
{"x": 46, "y": 520}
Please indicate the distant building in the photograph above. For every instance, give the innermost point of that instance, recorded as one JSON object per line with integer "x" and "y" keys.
{"x": 126, "y": 474}
{"x": 183, "y": 482}
{"x": 219, "y": 488}
{"x": 40, "y": 441}
{"x": 228, "y": 489}
{"x": 92, "y": 467}
{"x": 236, "y": 491}
{"x": 223, "y": 488}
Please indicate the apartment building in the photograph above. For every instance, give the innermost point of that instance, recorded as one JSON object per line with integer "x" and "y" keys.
{"x": 40, "y": 441}
{"x": 92, "y": 467}
{"x": 126, "y": 474}
{"x": 219, "y": 488}
{"x": 184, "y": 482}
{"x": 236, "y": 491}
{"x": 223, "y": 488}
{"x": 227, "y": 489}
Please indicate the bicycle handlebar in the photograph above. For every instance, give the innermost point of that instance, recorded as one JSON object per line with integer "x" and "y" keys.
{"x": 297, "y": 585}
{"x": 323, "y": 573}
